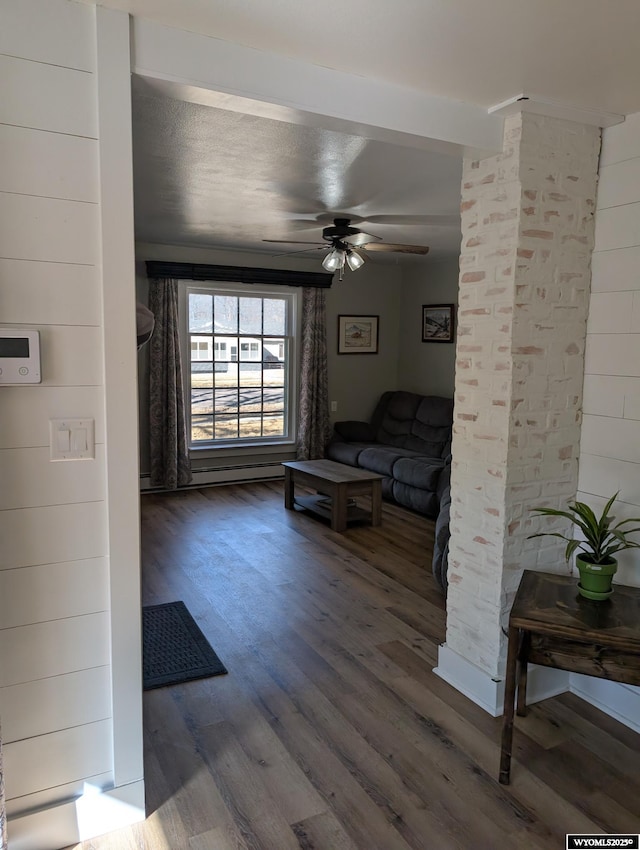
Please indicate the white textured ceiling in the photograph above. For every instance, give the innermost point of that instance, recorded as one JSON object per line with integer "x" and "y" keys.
{"x": 209, "y": 177}
{"x": 206, "y": 176}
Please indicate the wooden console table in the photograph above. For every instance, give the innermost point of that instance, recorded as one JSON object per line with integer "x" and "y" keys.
{"x": 552, "y": 625}
{"x": 336, "y": 483}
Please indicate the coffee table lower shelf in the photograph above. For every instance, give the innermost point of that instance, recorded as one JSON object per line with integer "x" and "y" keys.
{"x": 318, "y": 505}
{"x": 336, "y": 485}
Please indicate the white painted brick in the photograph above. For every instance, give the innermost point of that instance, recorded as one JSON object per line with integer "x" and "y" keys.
{"x": 519, "y": 362}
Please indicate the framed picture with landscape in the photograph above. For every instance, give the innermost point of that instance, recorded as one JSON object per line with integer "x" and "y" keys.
{"x": 437, "y": 322}
{"x": 358, "y": 334}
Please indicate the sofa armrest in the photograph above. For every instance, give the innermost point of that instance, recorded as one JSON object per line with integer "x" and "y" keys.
{"x": 352, "y": 431}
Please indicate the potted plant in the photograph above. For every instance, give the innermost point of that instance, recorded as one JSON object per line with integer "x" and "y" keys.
{"x": 602, "y": 540}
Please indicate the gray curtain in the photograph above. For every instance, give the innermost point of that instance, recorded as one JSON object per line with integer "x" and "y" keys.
{"x": 3, "y": 819}
{"x": 313, "y": 405}
{"x": 170, "y": 465}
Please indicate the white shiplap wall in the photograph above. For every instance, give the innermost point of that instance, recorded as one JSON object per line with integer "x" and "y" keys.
{"x": 610, "y": 442}
{"x": 55, "y": 700}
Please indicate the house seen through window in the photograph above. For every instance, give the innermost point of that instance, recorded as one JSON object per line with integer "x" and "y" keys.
{"x": 240, "y": 360}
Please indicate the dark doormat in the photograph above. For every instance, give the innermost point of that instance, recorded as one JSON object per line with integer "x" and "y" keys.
{"x": 174, "y": 649}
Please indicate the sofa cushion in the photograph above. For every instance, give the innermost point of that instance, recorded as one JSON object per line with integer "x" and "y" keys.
{"x": 348, "y": 453}
{"x": 423, "y": 501}
{"x": 355, "y": 431}
{"x": 432, "y": 425}
{"x": 381, "y": 459}
{"x": 418, "y": 472}
{"x": 394, "y": 428}
{"x": 387, "y": 489}
{"x": 421, "y": 424}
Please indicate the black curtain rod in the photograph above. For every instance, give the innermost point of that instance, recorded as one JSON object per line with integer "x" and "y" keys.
{"x": 237, "y": 274}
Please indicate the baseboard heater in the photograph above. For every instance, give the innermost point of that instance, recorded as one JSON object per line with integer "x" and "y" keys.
{"x": 223, "y": 475}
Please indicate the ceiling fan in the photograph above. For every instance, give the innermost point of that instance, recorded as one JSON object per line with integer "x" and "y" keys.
{"x": 343, "y": 239}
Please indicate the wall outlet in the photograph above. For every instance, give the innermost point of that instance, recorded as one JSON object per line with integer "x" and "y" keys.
{"x": 334, "y": 406}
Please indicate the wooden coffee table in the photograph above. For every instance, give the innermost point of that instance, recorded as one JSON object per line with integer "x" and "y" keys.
{"x": 336, "y": 485}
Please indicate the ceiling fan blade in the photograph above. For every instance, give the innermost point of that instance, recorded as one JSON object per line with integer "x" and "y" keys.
{"x": 293, "y": 242}
{"x": 304, "y": 223}
{"x": 418, "y": 220}
{"x": 358, "y": 240}
{"x": 401, "y": 249}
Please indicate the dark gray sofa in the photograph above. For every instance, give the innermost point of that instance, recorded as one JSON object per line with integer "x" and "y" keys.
{"x": 408, "y": 441}
{"x": 440, "y": 560}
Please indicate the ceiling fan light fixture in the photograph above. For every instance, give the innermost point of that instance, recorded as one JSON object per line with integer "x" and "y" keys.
{"x": 334, "y": 260}
{"x": 354, "y": 260}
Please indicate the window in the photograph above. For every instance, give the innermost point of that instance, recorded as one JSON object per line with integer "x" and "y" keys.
{"x": 239, "y": 375}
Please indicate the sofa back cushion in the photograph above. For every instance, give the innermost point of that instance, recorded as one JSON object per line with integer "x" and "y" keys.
{"x": 419, "y": 423}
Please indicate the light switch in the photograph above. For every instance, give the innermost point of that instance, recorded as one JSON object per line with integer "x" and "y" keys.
{"x": 72, "y": 439}
{"x": 79, "y": 440}
{"x": 64, "y": 440}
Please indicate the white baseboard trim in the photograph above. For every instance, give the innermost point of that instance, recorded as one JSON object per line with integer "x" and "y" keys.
{"x": 93, "y": 813}
{"x": 546, "y": 682}
{"x": 487, "y": 692}
{"x": 225, "y": 476}
{"x": 470, "y": 680}
{"x": 621, "y": 702}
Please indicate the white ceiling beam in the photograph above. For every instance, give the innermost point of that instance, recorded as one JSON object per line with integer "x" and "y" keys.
{"x": 219, "y": 73}
{"x": 552, "y": 109}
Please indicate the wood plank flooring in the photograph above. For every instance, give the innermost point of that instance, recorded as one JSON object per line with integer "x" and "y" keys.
{"x": 331, "y": 732}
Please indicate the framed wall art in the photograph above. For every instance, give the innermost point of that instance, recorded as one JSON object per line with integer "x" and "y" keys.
{"x": 358, "y": 334}
{"x": 438, "y": 322}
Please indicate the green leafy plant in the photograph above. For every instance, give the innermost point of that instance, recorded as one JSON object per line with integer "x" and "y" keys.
{"x": 602, "y": 539}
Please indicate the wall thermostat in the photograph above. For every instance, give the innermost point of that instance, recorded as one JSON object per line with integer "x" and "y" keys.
{"x": 19, "y": 356}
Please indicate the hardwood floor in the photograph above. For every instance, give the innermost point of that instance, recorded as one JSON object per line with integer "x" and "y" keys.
{"x": 331, "y": 731}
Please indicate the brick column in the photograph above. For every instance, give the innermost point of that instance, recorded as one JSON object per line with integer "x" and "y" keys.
{"x": 527, "y": 237}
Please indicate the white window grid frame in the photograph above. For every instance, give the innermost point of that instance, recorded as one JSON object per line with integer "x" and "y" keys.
{"x": 292, "y": 297}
